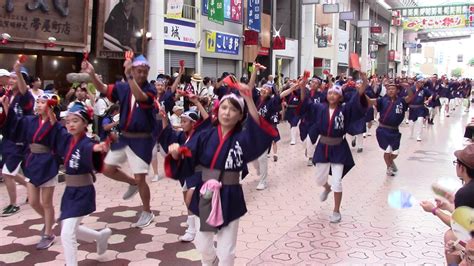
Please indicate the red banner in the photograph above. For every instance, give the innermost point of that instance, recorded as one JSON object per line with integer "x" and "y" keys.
{"x": 279, "y": 43}
{"x": 251, "y": 37}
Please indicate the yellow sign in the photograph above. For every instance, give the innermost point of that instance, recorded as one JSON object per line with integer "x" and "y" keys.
{"x": 211, "y": 42}
{"x": 437, "y": 22}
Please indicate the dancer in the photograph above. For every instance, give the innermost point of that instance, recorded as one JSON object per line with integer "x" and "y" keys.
{"x": 41, "y": 166}
{"x": 316, "y": 94}
{"x": 165, "y": 100}
{"x": 137, "y": 123}
{"x": 373, "y": 92}
{"x": 418, "y": 111}
{"x": 267, "y": 106}
{"x": 392, "y": 108}
{"x": 332, "y": 154}
{"x": 191, "y": 127}
{"x": 357, "y": 127}
{"x": 292, "y": 103}
{"x": 14, "y": 151}
{"x": 222, "y": 152}
{"x": 81, "y": 157}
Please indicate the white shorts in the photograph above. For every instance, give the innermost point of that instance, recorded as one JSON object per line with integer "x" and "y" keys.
{"x": 119, "y": 157}
{"x": 185, "y": 187}
{"x": 391, "y": 151}
{"x": 50, "y": 183}
{"x": 15, "y": 172}
{"x": 443, "y": 100}
{"x": 322, "y": 175}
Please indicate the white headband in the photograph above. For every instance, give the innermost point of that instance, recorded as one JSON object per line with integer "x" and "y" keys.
{"x": 239, "y": 99}
{"x": 335, "y": 89}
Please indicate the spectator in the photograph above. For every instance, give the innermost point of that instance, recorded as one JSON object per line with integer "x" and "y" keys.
{"x": 464, "y": 197}
{"x": 175, "y": 119}
{"x": 100, "y": 109}
{"x": 109, "y": 123}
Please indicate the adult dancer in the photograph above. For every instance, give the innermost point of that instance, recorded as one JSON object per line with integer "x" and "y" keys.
{"x": 137, "y": 123}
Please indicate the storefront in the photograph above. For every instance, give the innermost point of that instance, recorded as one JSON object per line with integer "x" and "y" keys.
{"x": 54, "y": 41}
{"x": 288, "y": 59}
{"x": 180, "y": 44}
{"x": 221, "y": 40}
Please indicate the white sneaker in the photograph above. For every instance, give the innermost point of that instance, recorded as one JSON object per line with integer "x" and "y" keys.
{"x": 103, "y": 241}
{"x": 369, "y": 134}
{"x": 156, "y": 178}
{"x": 187, "y": 237}
{"x": 261, "y": 185}
{"x": 131, "y": 191}
{"x": 418, "y": 139}
{"x": 335, "y": 217}
{"x": 145, "y": 220}
{"x": 310, "y": 162}
{"x": 324, "y": 195}
{"x": 293, "y": 142}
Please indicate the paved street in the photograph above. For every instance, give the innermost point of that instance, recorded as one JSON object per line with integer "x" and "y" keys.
{"x": 285, "y": 224}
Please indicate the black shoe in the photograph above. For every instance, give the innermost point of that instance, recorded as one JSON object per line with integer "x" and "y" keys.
{"x": 10, "y": 210}
{"x": 353, "y": 143}
{"x": 359, "y": 150}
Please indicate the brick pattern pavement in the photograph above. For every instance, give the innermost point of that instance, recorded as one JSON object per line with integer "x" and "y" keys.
{"x": 285, "y": 224}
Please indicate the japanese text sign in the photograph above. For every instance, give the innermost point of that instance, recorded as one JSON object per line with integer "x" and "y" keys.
{"x": 35, "y": 20}
{"x": 253, "y": 15}
{"x": 227, "y": 44}
{"x": 232, "y": 9}
{"x": 438, "y": 22}
{"x": 180, "y": 33}
{"x": 215, "y": 10}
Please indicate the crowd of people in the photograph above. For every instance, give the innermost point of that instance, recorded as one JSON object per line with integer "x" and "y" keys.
{"x": 208, "y": 130}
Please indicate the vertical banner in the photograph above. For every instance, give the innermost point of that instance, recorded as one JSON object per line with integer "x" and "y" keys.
{"x": 174, "y": 9}
{"x": 211, "y": 42}
{"x": 253, "y": 15}
{"x": 279, "y": 63}
{"x": 235, "y": 10}
{"x": 215, "y": 9}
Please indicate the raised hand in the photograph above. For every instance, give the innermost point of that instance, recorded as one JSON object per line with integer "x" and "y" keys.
{"x": 245, "y": 91}
{"x": 87, "y": 67}
{"x": 17, "y": 66}
{"x": 127, "y": 65}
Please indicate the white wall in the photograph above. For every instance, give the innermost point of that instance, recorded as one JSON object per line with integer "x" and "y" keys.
{"x": 291, "y": 52}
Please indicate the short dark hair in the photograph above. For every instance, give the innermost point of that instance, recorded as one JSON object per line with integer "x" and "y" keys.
{"x": 206, "y": 80}
{"x": 469, "y": 170}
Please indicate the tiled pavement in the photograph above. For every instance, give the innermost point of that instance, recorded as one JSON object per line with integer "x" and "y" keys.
{"x": 286, "y": 224}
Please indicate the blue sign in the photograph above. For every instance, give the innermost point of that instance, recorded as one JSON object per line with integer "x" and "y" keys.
{"x": 227, "y": 44}
{"x": 253, "y": 15}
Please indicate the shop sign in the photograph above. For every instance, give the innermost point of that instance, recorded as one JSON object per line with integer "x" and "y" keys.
{"x": 180, "y": 33}
{"x": 223, "y": 43}
{"x": 215, "y": 9}
{"x": 439, "y": 22}
{"x": 391, "y": 55}
{"x": 253, "y": 15}
{"x": 251, "y": 37}
{"x": 174, "y": 9}
{"x": 322, "y": 42}
{"x": 376, "y": 29}
{"x": 37, "y": 21}
{"x": 279, "y": 43}
{"x": 232, "y": 9}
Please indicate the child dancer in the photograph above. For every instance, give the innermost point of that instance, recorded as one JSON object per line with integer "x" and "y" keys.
{"x": 222, "y": 153}
{"x": 191, "y": 125}
{"x": 41, "y": 167}
{"x": 332, "y": 152}
{"x": 392, "y": 108}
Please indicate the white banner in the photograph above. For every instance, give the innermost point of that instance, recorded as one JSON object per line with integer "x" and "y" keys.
{"x": 174, "y": 9}
{"x": 343, "y": 46}
{"x": 180, "y": 33}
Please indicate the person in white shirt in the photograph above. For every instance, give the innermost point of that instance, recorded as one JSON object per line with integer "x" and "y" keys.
{"x": 175, "y": 118}
{"x": 36, "y": 88}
